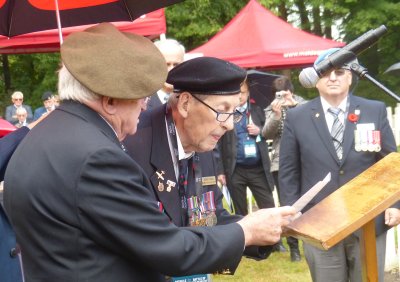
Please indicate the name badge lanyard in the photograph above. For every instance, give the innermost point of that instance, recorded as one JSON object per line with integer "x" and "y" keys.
{"x": 196, "y": 168}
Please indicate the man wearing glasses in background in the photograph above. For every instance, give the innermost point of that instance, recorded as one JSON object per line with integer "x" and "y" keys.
{"x": 174, "y": 142}
{"x": 325, "y": 135}
{"x": 11, "y": 111}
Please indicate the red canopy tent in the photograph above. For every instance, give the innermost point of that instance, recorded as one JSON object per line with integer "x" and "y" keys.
{"x": 257, "y": 38}
{"x": 151, "y": 24}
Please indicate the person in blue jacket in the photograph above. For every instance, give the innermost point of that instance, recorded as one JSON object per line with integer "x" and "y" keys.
{"x": 10, "y": 269}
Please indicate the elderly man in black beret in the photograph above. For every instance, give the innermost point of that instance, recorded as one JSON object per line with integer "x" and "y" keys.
{"x": 48, "y": 105}
{"x": 85, "y": 210}
{"x": 174, "y": 142}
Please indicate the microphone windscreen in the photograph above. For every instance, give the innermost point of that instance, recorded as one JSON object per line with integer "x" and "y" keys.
{"x": 308, "y": 77}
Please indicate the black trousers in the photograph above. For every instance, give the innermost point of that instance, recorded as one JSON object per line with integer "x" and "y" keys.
{"x": 254, "y": 178}
{"x": 292, "y": 242}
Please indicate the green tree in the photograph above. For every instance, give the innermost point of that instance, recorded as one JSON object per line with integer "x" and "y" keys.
{"x": 193, "y": 22}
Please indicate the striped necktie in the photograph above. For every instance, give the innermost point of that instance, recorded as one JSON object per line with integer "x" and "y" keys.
{"x": 337, "y": 132}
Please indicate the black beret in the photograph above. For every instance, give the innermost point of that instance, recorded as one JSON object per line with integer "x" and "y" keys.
{"x": 207, "y": 75}
{"x": 47, "y": 95}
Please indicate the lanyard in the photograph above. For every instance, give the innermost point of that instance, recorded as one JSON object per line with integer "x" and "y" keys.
{"x": 194, "y": 164}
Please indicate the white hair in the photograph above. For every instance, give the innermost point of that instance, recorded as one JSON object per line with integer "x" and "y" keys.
{"x": 169, "y": 43}
{"x": 69, "y": 88}
{"x": 21, "y": 111}
{"x": 17, "y": 94}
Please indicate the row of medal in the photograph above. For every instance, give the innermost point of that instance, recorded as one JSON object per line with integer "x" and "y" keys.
{"x": 367, "y": 140}
{"x": 201, "y": 210}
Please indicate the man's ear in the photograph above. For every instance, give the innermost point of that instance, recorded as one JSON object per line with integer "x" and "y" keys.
{"x": 183, "y": 104}
{"x": 109, "y": 105}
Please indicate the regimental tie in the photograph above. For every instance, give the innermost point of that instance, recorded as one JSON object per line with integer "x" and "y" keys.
{"x": 337, "y": 131}
{"x": 183, "y": 182}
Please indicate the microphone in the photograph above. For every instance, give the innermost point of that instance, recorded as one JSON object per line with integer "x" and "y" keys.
{"x": 309, "y": 76}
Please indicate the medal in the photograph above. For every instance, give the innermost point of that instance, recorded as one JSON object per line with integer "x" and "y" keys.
{"x": 357, "y": 143}
{"x": 160, "y": 186}
{"x": 371, "y": 145}
{"x": 211, "y": 219}
{"x": 170, "y": 185}
{"x": 160, "y": 175}
{"x": 377, "y": 140}
{"x": 363, "y": 140}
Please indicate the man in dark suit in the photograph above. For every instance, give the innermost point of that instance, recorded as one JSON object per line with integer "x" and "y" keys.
{"x": 318, "y": 138}
{"x": 85, "y": 211}
{"x": 244, "y": 160}
{"x": 197, "y": 131}
{"x": 10, "y": 269}
{"x": 48, "y": 105}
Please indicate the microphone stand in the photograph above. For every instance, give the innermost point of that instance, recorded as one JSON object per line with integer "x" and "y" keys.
{"x": 362, "y": 72}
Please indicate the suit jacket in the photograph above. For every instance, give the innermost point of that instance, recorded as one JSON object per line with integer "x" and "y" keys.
{"x": 154, "y": 102}
{"x": 11, "y": 113}
{"x": 227, "y": 147}
{"x": 39, "y": 112}
{"x": 10, "y": 270}
{"x": 150, "y": 149}
{"x": 85, "y": 210}
{"x": 307, "y": 153}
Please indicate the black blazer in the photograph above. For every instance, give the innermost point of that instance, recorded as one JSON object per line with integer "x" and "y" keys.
{"x": 10, "y": 270}
{"x": 149, "y": 147}
{"x": 154, "y": 102}
{"x": 83, "y": 210}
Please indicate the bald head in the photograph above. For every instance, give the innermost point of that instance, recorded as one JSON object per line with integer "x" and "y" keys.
{"x": 172, "y": 51}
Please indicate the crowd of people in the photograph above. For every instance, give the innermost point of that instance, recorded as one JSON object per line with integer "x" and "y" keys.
{"x": 20, "y": 114}
{"x": 127, "y": 189}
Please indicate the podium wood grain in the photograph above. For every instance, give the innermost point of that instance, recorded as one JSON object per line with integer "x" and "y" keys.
{"x": 351, "y": 206}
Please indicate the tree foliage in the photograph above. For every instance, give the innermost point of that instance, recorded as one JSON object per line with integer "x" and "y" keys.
{"x": 193, "y": 22}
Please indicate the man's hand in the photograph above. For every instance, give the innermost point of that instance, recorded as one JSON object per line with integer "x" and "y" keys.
{"x": 264, "y": 227}
{"x": 253, "y": 129}
{"x": 222, "y": 179}
{"x": 392, "y": 217}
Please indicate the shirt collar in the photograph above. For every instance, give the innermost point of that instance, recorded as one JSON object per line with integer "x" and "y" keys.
{"x": 242, "y": 108}
{"x": 181, "y": 153}
{"x": 326, "y": 105}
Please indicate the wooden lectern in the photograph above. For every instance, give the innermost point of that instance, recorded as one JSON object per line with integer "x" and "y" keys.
{"x": 351, "y": 207}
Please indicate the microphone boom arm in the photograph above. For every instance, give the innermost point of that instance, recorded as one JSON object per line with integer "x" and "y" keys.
{"x": 362, "y": 72}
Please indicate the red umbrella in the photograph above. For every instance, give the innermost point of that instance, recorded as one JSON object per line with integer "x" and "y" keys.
{"x": 5, "y": 127}
{"x": 25, "y": 16}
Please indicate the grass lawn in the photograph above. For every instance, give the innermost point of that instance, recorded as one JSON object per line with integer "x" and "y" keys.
{"x": 277, "y": 268}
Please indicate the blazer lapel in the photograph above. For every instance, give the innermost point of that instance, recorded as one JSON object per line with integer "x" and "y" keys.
{"x": 318, "y": 118}
{"x": 164, "y": 180}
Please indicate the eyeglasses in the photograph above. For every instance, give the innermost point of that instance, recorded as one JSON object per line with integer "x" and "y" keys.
{"x": 18, "y": 99}
{"x": 338, "y": 72}
{"x": 223, "y": 117}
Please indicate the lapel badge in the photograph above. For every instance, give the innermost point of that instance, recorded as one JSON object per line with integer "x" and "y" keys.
{"x": 160, "y": 175}
{"x": 160, "y": 186}
{"x": 170, "y": 185}
{"x": 317, "y": 115}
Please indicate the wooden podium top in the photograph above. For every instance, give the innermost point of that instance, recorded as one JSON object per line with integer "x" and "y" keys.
{"x": 351, "y": 206}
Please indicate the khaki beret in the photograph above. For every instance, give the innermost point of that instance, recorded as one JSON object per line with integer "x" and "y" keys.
{"x": 114, "y": 64}
{"x": 207, "y": 75}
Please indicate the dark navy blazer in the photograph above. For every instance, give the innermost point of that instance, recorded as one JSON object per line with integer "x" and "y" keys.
{"x": 10, "y": 270}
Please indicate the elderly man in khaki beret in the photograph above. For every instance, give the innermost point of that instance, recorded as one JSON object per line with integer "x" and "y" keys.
{"x": 85, "y": 210}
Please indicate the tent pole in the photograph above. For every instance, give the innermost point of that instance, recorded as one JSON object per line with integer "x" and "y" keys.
{"x": 58, "y": 22}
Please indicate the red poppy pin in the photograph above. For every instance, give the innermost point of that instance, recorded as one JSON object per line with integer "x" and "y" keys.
{"x": 252, "y": 101}
{"x": 353, "y": 117}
